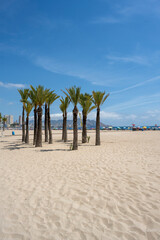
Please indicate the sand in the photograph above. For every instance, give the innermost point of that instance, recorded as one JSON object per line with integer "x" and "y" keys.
{"x": 107, "y": 192}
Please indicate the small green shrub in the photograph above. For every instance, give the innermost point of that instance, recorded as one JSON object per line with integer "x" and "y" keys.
{"x": 71, "y": 147}
{"x": 88, "y": 138}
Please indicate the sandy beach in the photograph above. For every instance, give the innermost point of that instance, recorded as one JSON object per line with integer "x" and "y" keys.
{"x": 107, "y": 192}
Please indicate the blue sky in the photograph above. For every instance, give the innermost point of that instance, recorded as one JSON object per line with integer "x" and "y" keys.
{"x": 98, "y": 45}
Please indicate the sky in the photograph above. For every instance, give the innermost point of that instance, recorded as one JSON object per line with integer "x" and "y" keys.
{"x": 100, "y": 45}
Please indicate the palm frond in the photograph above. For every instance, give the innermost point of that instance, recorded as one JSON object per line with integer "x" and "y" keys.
{"x": 28, "y": 107}
{"x": 98, "y": 98}
{"x": 73, "y": 94}
{"x": 86, "y": 101}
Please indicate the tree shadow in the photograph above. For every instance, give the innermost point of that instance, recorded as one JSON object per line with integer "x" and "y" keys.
{"x": 68, "y": 141}
{"x": 16, "y": 146}
{"x": 54, "y": 150}
{"x": 86, "y": 145}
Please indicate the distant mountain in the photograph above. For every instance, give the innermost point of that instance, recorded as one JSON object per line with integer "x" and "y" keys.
{"x": 59, "y": 123}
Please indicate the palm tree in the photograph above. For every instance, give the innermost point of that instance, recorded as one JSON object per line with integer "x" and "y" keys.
{"x": 24, "y": 97}
{"x": 85, "y": 101}
{"x": 46, "y": 127}
{"x": 98, "y": 99}
{"x": 0, "y": 122}
{"x": 4, "y": 119}
{"x": 73, "y": 94}
{"x": 28, "y": 107}
{"x": 46, "y": 122}
{"x": 62, "y": 109}
{"x": 41, "y": 98}
{"x": 63, "y": 106}
{"x": 0, "y": 117}
{"x": 33, "y": 97}
{"x": 50, "y": 99}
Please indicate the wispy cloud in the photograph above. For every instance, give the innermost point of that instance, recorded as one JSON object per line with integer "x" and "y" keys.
{"x": 137, "y": 85}
{"x": 152, "y": 114}
{"x": 129, "y": 59}
{"x": 105, "y": 115}
{"x": 57, "y": 116}
{"x": 50, "y": 23}
{"x": 131, "y": 116}
{"x": 95, "y": 76}
{"x": 105, "y": 20}
{"x": 134, "y": 103}
{"x": 73, "y": 70}
{"x": 123, "y": 10}
{"x": 91, "y": 116}
{"x": 112, "y": 117}
{"x": 10, "y": 103}
{"x": 12, "y": 85}
{"x": 139, "y": 7}
{"x": 80, "y": 71}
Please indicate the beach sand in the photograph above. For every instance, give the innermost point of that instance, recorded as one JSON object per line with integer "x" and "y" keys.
{"x": 107, "y": 192}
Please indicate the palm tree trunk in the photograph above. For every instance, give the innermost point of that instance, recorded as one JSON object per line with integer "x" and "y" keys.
{"x": 23, "y": 126}
{"x": 98, "y": 127}
{"x": 84, "y": 131}
{"x": 35, "y": 126}
{"x": 49, "y": 126}
{"x": 75, "y": 131}
{"x": 27, "y": 130}
{"x": 39, "y": 129}
{"x": 65, "y": 126}
{"x": 3, "y": 125}
{"x": 63, "y": 129}
{"x": 46, "y": 123}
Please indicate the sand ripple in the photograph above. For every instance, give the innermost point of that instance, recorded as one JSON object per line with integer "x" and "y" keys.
{"x": 109, "y": 192}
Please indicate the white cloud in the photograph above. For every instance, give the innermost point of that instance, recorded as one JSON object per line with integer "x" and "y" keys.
{"x": 154, "y": 113}
{"x": 131, "y": 116}
{"x": 12, "y": 85}
{"x": 139, "y": 7}
{"x": 137, "y": 85}
{"x": 50, "y": 23}
{"x": 130, "y": 59}
{"x": 139, "y": 101}
{"x": 104, "y": 20}
{"x": 104, "y": 115}
{"x": 58, "y": 116}
{"x": 73, "y": 70}
{"x": 110, "y": 115}
{"x": 91, "y": 116}
{"x": 115, "y": 118}
{"x": 123, "y": 10}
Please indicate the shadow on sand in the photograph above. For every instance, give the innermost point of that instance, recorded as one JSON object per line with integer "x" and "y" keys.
{"x": 68, "y": 141}
{"x": 16, "y": 146}
{"x": 54, "y": 150}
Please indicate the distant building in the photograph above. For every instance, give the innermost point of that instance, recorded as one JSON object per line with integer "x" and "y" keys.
{"x": 9, "y": 119}
{"x": 20, "y": 120}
